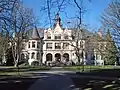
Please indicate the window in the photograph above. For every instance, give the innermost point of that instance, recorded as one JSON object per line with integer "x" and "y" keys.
{"x": 57, "y": 36}
{"x": 49, "y": 45}
{"x": 33, "y": 44}
{"x": 29, "y": 45}
{"x": 38, "y": 56}
{"x": 81, "y": 44}
{"x": 66, "y": 37}
{"x": 49, "y": 36}
{"x": 38, "y": 44}
{"x": 33, "y": 56}
{"x": 65, "y": 45}
{"x": 57, "y": 45}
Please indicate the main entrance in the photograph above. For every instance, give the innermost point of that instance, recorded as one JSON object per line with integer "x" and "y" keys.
{"x": 57, "y": 57}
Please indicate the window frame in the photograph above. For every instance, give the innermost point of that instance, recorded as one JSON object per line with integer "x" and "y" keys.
{"x": 48, "y": 46}
{"x": 57, "y": 45}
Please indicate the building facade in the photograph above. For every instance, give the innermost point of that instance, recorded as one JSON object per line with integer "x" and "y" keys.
{"x": 59, "y": 45}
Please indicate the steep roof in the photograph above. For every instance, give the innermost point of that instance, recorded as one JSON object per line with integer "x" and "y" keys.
{"x": 35, "y": 34}
{"x": 32, "y": 33}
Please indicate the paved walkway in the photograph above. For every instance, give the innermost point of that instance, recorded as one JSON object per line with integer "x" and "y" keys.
{"x": 60, "y": 80}
{"x": 54, "y": 81}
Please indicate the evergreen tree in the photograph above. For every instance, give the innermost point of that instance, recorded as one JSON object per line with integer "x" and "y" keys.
{"x": 111, "y": 50}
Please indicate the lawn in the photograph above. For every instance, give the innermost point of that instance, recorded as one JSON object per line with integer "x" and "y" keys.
{"x": 88, "y": 68}
{"x": 9, "y": 71}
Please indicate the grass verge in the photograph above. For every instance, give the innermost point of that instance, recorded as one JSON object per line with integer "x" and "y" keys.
{"x": 13, "y": 71}
{"x": 87, "y": 68}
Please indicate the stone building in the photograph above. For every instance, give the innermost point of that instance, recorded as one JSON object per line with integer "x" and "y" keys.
{"x": 32, "y": 48}
{"x": 58, "y": 44}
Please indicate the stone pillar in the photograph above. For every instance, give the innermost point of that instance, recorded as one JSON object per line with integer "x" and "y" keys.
{"x": 53, "y": 57}
{"x": 44, "y": 58}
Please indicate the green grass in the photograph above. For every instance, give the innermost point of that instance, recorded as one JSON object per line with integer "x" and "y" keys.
{"x": 88, "y": 68}
{"x": 4, "y": 71}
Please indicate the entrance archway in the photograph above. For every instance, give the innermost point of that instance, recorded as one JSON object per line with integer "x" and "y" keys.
{"x": 66, "y": 56}
{"x": 49, "y": 57}
{"x": 57, "y": 57}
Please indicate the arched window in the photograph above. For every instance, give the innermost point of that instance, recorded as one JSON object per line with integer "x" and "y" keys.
{"x": 33, "y": 56}
{"x": 38, "y": 56}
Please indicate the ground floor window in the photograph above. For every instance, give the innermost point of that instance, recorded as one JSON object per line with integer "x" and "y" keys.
{"x": 49, "y": 57}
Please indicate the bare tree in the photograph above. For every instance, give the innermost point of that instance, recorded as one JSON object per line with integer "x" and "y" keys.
{"x": 20, "y": 20}
{"x": 6, "y": 7}
{"x": 111, "y": 19}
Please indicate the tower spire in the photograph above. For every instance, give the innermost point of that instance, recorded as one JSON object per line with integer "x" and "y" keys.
{"x": 57, "y": 20}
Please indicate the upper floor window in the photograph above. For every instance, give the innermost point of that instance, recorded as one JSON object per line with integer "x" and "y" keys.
{"x": 49, "y": 36}
{"x": 81, "y": 44}
{"x": 38, "y": 44}
{"x": 65, "y": 45}
{"x": 57, "y": 45}
{"x": 33, "y": 44}
{"x": 29, "y": 45}
{"x": 57, "y": 36}
{"x": 66, "y": 37}
{"x": 49, "y": 45}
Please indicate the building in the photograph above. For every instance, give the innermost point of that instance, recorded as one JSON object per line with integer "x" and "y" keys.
{"x": 32, "y": 48}
{"x": 59, "y": 44}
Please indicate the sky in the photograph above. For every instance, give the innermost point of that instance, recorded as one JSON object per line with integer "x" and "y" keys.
{"x": 94, "y": 10}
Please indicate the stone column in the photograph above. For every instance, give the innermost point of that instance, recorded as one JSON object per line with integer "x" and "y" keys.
{"x": 44, "y": 57}
{"x": 53, "y": 57}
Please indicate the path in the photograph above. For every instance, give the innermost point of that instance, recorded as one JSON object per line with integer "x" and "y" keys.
{"x": 53, "y": 80}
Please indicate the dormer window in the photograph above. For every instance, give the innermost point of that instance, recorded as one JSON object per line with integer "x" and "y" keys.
{"x": 49, "y": 36}
{"x": 57, "y": 36}
{"x": 66, "y": 37}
